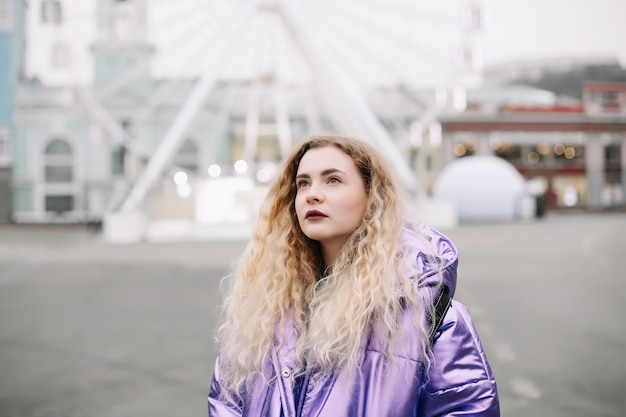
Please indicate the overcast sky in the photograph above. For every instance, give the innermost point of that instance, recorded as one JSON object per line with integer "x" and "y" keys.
{"x": 529, "y": 29}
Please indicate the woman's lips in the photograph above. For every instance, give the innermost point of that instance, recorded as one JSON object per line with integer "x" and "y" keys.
{"x": 314, "y": 215}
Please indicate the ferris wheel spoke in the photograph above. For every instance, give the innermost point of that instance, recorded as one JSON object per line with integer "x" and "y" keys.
{"x": 383, "y": 66}
{"x": 135, "y": 72}
{"x": 187, "y": 58}
{"x": 354, "y": 54}
{"x": 291, "y": 65}
{"x": 348, "y": 98}
{"x": 184, "y": 54}
{"x": 269, "y": 40}
{"x": 398, "y": 36}
{"x": 265, "y": 45}
{"x": 174, "y": 135}
{"x": 274, "y": 28}
{"x": 281, "y": 111}
{"x": 126, "y": 78}
{"x": 183, "y": 15}
{"x": 398, "y": 10}
{"x": 410, "y": 9}
{"x": 190, "y": 24}
{"x": 164, "y": 4}
{"x": 261, "y": 44}
{"x": 252, "y": 121}
{"x": 244, "y": 61}
{"x": 186, "y": 47}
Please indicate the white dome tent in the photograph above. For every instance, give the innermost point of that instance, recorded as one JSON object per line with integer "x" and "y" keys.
{"x": 483, "y": 188}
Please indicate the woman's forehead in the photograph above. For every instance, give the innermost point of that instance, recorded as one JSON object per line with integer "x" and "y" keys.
{"x": 323, "y": 158}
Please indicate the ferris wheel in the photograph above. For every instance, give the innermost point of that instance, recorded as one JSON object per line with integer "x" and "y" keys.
{"x": 319, "y": 58}
{"x": 378, "y": 42}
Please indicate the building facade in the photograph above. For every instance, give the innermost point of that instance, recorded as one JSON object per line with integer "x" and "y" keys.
{"x": 11, "y": 71}
{"x": 577, "y": 151}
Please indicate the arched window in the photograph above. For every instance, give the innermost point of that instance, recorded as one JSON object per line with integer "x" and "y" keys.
{"x": 187, "y": 157}
{"x": 58, "y": 175}
{"x": 58, "y": 162}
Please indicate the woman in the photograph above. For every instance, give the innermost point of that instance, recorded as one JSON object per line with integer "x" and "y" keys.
{"x": 329, "y": 310}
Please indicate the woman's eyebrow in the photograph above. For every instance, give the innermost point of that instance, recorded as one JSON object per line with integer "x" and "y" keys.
{"x": 331, "y": 171}
{"x": 325, "y": 172}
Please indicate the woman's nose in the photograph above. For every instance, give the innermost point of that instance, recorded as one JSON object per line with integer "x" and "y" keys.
{"x": 314, "y": 194}
{"x": 312, "y": 199}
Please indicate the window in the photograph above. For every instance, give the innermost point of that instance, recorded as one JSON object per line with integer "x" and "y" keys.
{"x": 127, "y": 125}
{"x": 59, "y": 203}
{"x": 187, "y": 157}
{"x": 429, "y": 163}
{"x": 612, "y": 154}
{"x": 117, "y": 161}
{"x": 58, "y": 164}
{"x": 609, "y": 97}
{"x": 58, "y": 174}
{"x": 58, "y": 147}
{"x": 51, "y": 12}
{"x": 5, "y": 150}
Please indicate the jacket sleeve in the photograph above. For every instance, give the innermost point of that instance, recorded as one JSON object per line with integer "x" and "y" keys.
{"x": 460, "y": 381}
{"x": 222, "y": 404}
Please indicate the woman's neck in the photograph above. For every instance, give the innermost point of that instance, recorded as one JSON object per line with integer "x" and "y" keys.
{"x": 330, "y": 250}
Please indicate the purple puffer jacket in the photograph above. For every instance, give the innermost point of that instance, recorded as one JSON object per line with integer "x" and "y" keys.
{"x": 460, "y": 381}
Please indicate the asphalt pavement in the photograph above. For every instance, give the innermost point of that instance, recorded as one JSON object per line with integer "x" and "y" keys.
{"x": 91, "y": 329}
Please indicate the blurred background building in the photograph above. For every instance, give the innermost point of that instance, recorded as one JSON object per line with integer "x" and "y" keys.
{"x": 167, "y": 119}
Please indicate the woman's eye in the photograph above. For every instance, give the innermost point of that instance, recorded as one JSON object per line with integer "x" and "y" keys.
{"x": 302, "y": 183}
{"x": 333, "y": 180}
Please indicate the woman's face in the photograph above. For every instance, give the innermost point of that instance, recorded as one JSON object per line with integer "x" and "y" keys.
{"x": 331, "y": 197}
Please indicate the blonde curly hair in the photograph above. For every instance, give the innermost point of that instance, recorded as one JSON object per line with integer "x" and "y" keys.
{"x": 278, "y": 279}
